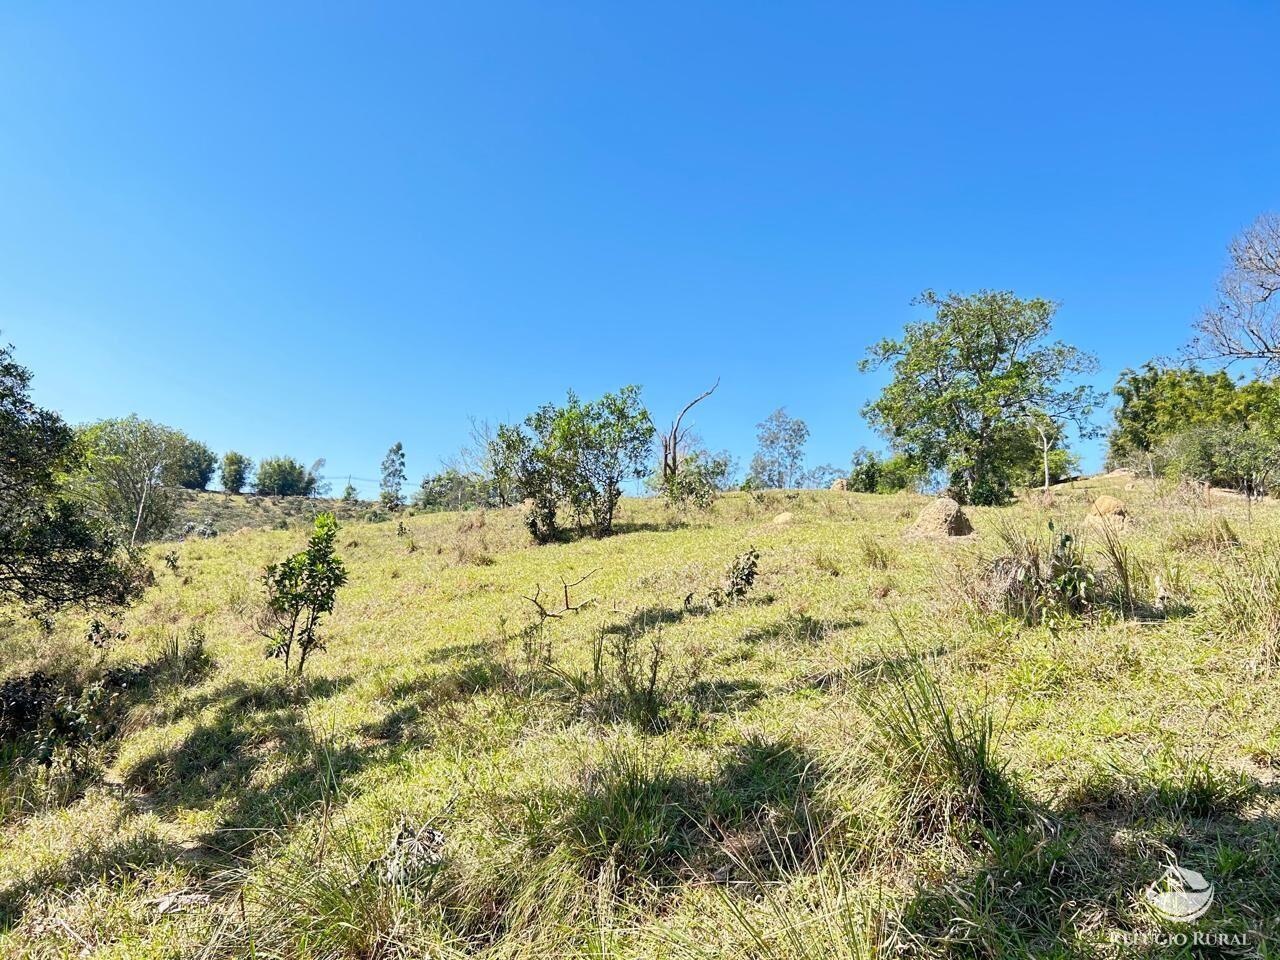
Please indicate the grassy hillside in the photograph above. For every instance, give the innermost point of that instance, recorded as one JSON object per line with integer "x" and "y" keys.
{"x": 864, "y": 755}
{"x": 228, "y": 513}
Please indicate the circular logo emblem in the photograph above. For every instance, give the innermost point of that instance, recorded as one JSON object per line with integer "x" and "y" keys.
{"x": 1180, "y": 894}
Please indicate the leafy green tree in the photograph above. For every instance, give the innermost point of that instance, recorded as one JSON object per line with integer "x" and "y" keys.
{"x": 300, "y": 590}
{"x": 964, "y": 383}
{"x": 349, "y": 493}
{"x": 601, "y": 443}
{"x": 285, "y": 477}
{"x": 872, "y": 473}
{"x": 235, "y": 471}
{"x": 507, "y": 451}
{"x": 576, "y": 455}
{"x": 1158, "y": 404}
{"x": 194, "y": 466}
{"x": 779, "y": 460}
{"x": 393, "y": 478}
{"x": 131, "y": 465}
{"x": 535, "y": 467}
{"x": 53, "y": 552}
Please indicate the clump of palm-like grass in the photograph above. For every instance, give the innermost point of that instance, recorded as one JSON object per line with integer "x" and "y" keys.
{"x": 1037, "y": 575}
{"x": 1047, "y": 576}
{"x": 628, "y": 813}
{"x": 944, "y": 754}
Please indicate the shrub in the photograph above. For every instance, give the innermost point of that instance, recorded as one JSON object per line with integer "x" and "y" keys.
{"x": 696, "y": 482}
{"x": 598, "y": 445}
{"x": 871, "y": 473}
{"x": 452, "y": 489}
{"x": 300, "y": 590}
{"x": 1039, "y": 576}
{"x": 738, "y": 580}
{"x": 577, "y": 455}
{"x": 632, "y": 670}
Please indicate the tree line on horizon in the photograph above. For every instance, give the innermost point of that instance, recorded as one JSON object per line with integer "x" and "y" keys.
{"x": 980, "y": 402}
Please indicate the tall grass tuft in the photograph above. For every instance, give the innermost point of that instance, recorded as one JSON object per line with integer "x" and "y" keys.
{"x": 945, "y": 754}
{"x": 1126, "y": 576}
{"x": 1247, "y": 610}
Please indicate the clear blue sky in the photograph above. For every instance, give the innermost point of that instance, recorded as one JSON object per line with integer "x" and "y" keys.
{"x": 290, "y": 228}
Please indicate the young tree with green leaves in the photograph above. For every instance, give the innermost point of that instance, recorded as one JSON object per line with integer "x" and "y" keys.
{"x": 300, "y": 590}
{"x": 53, "y": 552}
{"x": 965, "y": 382}
{"x": 779, "y": 461}
{"x": 576, "y": 455}
{"x": 602, "y": 443}
{"x": 235, "y": 471}
{"x": 393, "y": 478}
{"x": 696, "y": 480}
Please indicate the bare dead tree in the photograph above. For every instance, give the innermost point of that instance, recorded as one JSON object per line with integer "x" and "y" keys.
{"x": 1245, "y": 322}
{"x": 672, "y": 439}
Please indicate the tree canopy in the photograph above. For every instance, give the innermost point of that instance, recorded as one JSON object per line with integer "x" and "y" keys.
{"x": 285, "y": 477}
{"x": 53, "y": 551}
{"x": 966, "y": 383}
{"x": 575, "y": 456}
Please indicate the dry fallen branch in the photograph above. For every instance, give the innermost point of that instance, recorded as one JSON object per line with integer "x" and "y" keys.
{"x": 569, "y": 606}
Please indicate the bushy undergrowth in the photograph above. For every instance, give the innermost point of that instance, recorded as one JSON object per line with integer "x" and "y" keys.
{"x": 1050, "y": 575}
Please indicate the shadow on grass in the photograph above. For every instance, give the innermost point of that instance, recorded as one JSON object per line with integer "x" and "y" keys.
{"x": 798, "y": 628}
{"x": 1034, "y": 890}
{"x": 112, "y": 862}
{"x": 255, "y": 760}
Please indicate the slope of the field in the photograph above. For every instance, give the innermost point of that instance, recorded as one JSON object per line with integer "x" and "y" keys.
{"x": 196, "y": 512}
{"x": 658, "y": 775}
